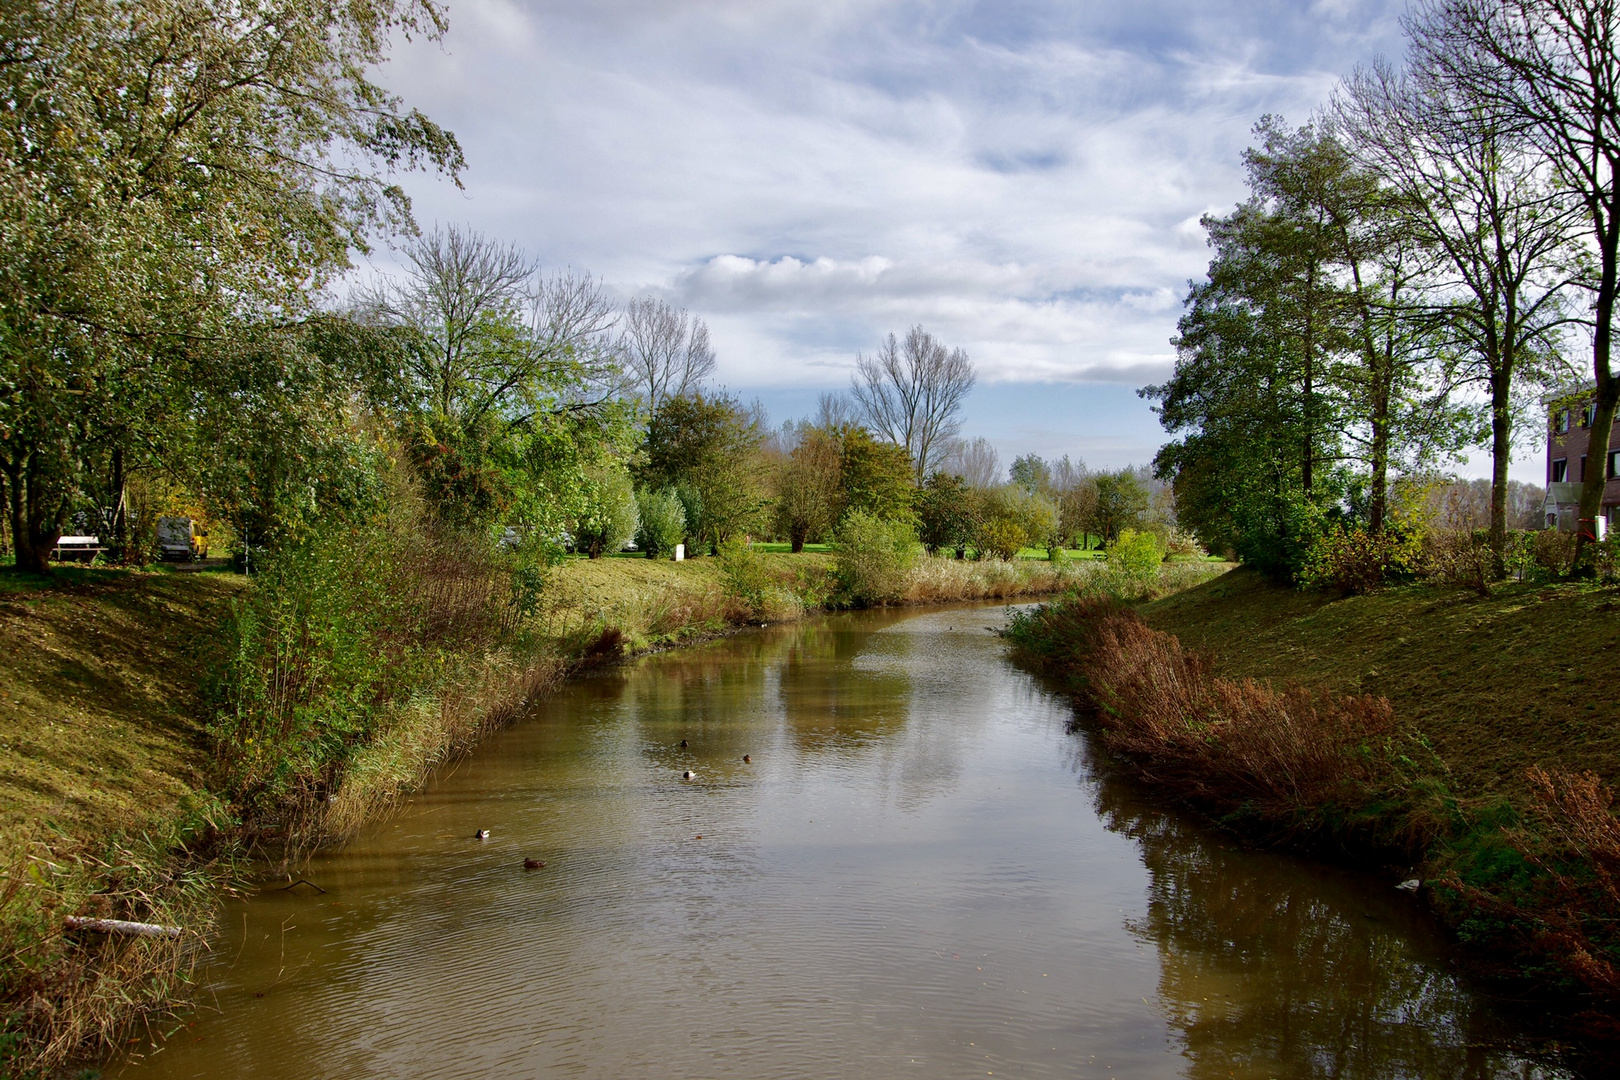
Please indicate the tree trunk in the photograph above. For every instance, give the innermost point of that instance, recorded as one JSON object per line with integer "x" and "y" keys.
{"x": 120, "y": 521}
{"x": 797, "y": 542}
{"x": 1501, "y": 458}
{"x": 1607, "y": 393}
{"x": 34, "y": 530}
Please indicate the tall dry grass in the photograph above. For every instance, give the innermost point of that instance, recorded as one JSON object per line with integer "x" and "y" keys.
{"x": 1289, "y": 760}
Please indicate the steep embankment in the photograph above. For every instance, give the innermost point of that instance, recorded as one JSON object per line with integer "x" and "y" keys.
{"x": 1497, "y": 684}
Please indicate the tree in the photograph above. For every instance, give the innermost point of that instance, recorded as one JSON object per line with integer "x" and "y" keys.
{"x": 509, "y": 382}
{"x": 1548, "y": 69}
{"x": 1472, "y": 190}
{"x": 666, "y": 353}
{"x": 608, "y": 517}
{"x": 1122, "y": 500}
{"x": 911, "y": 393}
{"x": 707, "y": 447}
{"x": 1031, "y": 473}
{"x": 661, "y": 522}
{"x": 946, "y": 514}
{"x": 975, "y": 462}
{"x": 131, "y": 134}
{"x": 809, "y": 487}
{"x": 493, "y": 337}
{"x": 876, "y": 477}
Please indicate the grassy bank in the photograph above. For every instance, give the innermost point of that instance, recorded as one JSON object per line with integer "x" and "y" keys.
{"x": 104, "y": 791}
{"x": 1453, "y": 738}
{"x": 141, "y": 772}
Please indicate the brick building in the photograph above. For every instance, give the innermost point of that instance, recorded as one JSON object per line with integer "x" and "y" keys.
{"x": 1569, "y": 431}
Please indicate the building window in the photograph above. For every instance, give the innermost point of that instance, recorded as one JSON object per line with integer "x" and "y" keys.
{"x": 1581, "y": 477}
{"x": 1587, "y": 415}
{"x": 1560, "y": 470}
{"x": 1561, "y": 420}
{"x": 1614, "y": 465}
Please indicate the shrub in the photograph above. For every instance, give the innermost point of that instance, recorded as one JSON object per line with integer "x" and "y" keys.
{"x": 1134, "y": 555}
{"x": 1002, "y": 538}
{"x": 747, "y": 576}
{"x": 1230, "y": 746}
{"x": 662, "y": 524}
{"x": 608, "y": 518}
{"x": 1459, "y": 558}
{"x": 1354, "y": 561}
{"x": 872, "y": 557}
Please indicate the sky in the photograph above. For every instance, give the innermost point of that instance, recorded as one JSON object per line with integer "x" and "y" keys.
{"x": 1023, "y": 179}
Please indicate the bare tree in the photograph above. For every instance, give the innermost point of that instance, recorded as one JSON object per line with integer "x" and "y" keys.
{"x": 976, "y": 462}
{"x": 492, "y": 334}
{"x": 1550, "y": 69}
{"x": 834, "y": 410}
{"x": 911, "y": 393}
{"x": 1477, "y": 194}
{"x": 666, "y": 353}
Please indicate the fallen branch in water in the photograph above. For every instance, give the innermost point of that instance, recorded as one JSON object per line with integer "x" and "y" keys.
{"x": 120, "y": 926}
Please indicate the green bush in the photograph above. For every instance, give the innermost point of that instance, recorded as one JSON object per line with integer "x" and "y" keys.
{"x": 1354, "y": 561}
{"x": 663, "y": 522}
{"x": 1134, "y": 555}
{"x": 1002, "y": 538}
{"x": 747, "y": 576}
{"x": 872, "y": 557}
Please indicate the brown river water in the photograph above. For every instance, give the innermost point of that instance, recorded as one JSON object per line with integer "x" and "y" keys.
{"x": 918, "y": 874}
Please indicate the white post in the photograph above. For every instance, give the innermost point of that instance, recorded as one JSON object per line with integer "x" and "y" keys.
{"x": 680, "y": 552}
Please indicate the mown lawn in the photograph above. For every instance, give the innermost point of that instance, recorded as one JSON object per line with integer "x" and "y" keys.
{"x": 101, "y": 723}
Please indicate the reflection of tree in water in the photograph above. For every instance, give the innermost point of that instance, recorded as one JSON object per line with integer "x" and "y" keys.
{"x": 829, "y": 702}
{"x": 1270, "y": 967}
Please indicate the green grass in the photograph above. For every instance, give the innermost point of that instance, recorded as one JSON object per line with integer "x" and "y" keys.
{"x": 1497, "y": 684}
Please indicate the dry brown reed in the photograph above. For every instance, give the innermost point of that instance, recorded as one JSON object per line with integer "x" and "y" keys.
{"x": 1275, "y": 756}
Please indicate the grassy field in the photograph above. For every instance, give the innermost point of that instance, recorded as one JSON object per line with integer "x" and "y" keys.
{"x": 1497, "y": 684}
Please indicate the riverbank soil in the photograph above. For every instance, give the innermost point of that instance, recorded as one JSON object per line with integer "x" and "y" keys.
{"x": 1497, "y": 684}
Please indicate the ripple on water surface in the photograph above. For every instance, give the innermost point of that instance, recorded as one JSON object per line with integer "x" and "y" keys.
{"x": 917, "y": 874}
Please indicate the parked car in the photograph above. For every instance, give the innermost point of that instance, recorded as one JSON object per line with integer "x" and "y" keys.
{"x": 179, "y": 538}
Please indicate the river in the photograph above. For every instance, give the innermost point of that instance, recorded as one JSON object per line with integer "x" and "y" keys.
{"x": 917, "y": 873}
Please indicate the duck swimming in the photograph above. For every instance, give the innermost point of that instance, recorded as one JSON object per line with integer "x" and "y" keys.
{"x": 481, "y": 834}
{"x": 688, "y": 775}
{"x": 747, "y": 760}
{"x": 533, "y": 864}
{"x": 683, "y": 744}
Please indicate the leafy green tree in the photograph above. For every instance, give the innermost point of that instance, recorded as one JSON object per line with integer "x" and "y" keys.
{"x": 662, "y": 522}
{"x": 1122, "y": 501}
{"x": 876, "y": 477}
{"x": 1031, "y": 473}
{"x": 133, "y": 133}
{"x": 947, "y": 514}
{"x": 709, "y": 446}
{"x": 607, "y": 519}
{"x": 809, "y": 487}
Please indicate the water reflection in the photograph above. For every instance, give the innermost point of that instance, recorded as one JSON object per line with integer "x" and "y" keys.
{"x": 1308, "y": 972}
{"x": 905, "y": 880}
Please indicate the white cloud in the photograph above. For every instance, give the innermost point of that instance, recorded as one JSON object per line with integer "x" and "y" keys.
{"x": 1023, "y": 177}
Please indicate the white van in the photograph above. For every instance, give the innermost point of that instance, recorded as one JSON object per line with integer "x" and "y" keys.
{"x": 179, "y": 538}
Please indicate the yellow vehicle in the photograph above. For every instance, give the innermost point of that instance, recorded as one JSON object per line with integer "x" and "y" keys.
{"x": 180, "y": 539}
